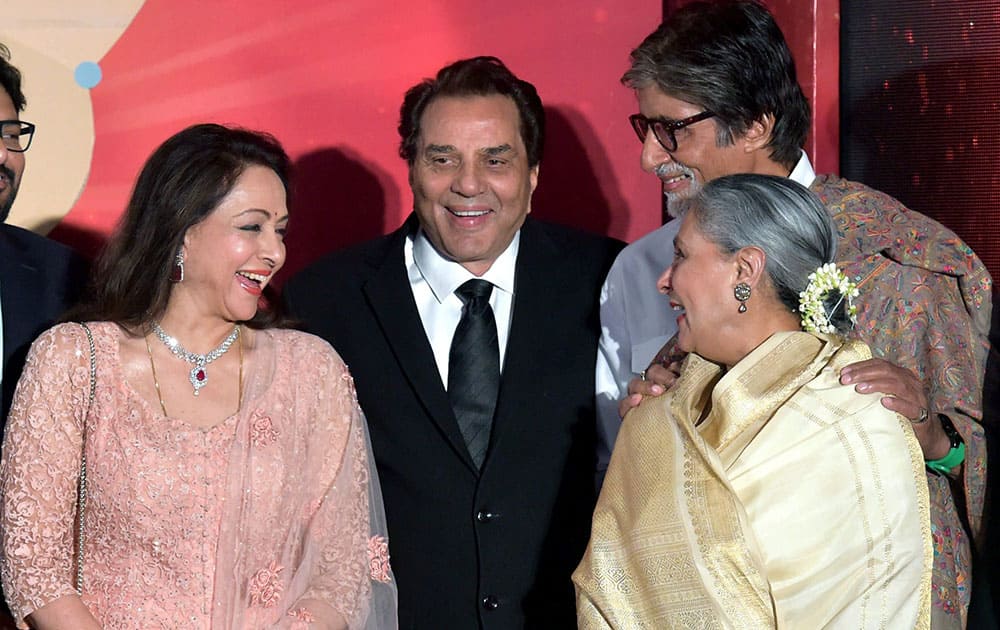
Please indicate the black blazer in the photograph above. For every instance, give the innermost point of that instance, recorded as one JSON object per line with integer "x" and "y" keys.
{"x": 491, "y": 549}
{"x": 39, "y": 280}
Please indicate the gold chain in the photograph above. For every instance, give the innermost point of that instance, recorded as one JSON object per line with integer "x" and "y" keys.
{"x": 156, "y": 382}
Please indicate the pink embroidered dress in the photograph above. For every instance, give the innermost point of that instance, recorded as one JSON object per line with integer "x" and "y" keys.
{"x": 259, "y": 522}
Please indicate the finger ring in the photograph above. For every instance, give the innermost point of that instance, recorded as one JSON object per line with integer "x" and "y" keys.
{"x": 924, "y": 415}
{"x": 642, "y": 375}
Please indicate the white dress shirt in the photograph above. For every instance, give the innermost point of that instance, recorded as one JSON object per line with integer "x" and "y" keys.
{"x": 636, "y": 320}
{"x": 434, "y": 279}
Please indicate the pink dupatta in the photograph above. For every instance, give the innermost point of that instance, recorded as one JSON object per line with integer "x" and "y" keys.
{"x": 303, "y": 540}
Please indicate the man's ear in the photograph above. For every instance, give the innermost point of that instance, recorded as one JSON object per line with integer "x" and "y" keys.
{"x": 759, "y": 133}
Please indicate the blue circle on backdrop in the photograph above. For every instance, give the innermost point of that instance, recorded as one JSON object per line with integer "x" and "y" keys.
{"x": 87, "y": 74}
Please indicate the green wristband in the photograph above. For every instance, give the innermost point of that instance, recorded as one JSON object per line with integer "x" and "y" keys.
{"x": 954, "y": 458}
{"x": 956, "y": 454}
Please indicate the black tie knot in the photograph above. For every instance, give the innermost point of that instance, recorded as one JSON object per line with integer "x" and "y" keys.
{"x": 476, "y": 289}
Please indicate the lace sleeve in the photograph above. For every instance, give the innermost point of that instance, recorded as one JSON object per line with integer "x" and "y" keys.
{"x": 39, "y": 470}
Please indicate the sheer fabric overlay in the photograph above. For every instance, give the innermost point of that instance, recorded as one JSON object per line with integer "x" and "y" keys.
{"x": 270, "y": 519}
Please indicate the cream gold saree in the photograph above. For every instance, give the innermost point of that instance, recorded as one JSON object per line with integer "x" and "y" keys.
{"x": 770, "y": 496}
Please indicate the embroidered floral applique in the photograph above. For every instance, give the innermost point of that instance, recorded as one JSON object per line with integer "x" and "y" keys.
{"x": 266, "y": 586}
{"x": 303, "y": 618}
{"x": 262, "y": 431}
{"x": 378, "y": 558}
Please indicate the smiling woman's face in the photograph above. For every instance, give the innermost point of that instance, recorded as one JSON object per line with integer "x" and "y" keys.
{"x": 700, "y": 286}
{"x": 235, "y": 251}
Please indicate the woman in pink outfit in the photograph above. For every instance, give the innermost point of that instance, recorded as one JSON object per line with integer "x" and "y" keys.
{"x": 228, "y": 482}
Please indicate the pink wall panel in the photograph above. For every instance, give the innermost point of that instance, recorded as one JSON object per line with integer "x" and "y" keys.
{"x": 327, "y": 78}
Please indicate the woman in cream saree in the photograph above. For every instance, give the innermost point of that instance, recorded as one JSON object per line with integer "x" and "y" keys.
{"x": 763, "y": 494}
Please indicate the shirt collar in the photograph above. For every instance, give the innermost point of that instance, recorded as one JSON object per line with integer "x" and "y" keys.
{"x": 443, "y": 276}
{"x": 803, "y": 172}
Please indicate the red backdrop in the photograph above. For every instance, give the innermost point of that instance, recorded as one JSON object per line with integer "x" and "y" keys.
{"x": 327, "y": 79}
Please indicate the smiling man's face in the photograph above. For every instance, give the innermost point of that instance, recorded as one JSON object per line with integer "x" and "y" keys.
{"x": 470, "y": 177}
{"x": 698, "y": 158}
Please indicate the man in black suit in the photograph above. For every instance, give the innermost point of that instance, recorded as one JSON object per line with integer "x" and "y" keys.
{"x": 487, "y": 520}
{"x": 39, "y": 278}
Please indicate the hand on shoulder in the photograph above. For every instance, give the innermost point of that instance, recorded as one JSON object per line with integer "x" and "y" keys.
{"x": 654, "y": 381}
{"x": 904, "y": 394}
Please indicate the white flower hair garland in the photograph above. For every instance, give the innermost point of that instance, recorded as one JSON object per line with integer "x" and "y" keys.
{"x": 827, "y": 278}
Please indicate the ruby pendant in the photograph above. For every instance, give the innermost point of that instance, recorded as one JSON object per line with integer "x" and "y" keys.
{"x": 198, "y": 378}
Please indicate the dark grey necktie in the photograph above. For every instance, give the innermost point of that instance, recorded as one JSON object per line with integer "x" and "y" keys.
{"x": 474, "y": 368}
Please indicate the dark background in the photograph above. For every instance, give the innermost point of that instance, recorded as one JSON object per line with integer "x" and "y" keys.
{"x": 920, "y": 110}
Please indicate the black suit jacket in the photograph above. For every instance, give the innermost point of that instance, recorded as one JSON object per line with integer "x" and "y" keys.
{"x": 39, "y": 280}
{"x": 491, "y": 549}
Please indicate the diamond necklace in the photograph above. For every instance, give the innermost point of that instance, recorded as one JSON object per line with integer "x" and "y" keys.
{"x": 156, "y": 381}
{"x": 199, "y": 374}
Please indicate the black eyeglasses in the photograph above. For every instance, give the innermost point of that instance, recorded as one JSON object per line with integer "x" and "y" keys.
{"x": 16, "y": 135}
{"x": 663, "y": 130}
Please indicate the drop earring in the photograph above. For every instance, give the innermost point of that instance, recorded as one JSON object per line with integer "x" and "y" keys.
{"x": 177, "y": 271}
{"x": 742, "y": 293}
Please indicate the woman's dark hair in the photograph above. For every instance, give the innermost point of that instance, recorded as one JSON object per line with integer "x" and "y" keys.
{"x": 182, "y": 182}
{"x": 729, "y": 58}
{"x": 479, "y": 76}
{"x": 782, "y": 218}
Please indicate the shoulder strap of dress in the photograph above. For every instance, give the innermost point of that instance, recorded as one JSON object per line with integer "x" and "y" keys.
{"x": 81, "y": 497}
{"x": 93, "y": 366}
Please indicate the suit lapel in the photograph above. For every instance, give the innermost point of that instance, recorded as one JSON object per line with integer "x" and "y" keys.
{"x": 391, "y": 300}
{"x": 538, "y": 277}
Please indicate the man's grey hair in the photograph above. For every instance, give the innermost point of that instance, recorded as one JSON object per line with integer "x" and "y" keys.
{"x": 729, "y": 58}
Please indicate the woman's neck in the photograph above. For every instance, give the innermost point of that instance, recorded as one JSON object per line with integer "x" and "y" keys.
{"x": 761, "y": 327}
{"x": 197, "y": 331}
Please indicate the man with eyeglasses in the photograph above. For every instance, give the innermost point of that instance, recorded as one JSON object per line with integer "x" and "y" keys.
{"x": 718, "y": 95}
{"x": 39, "y": 278}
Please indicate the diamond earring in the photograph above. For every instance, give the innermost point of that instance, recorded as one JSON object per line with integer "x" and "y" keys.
{"x": 742, "y": 293}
